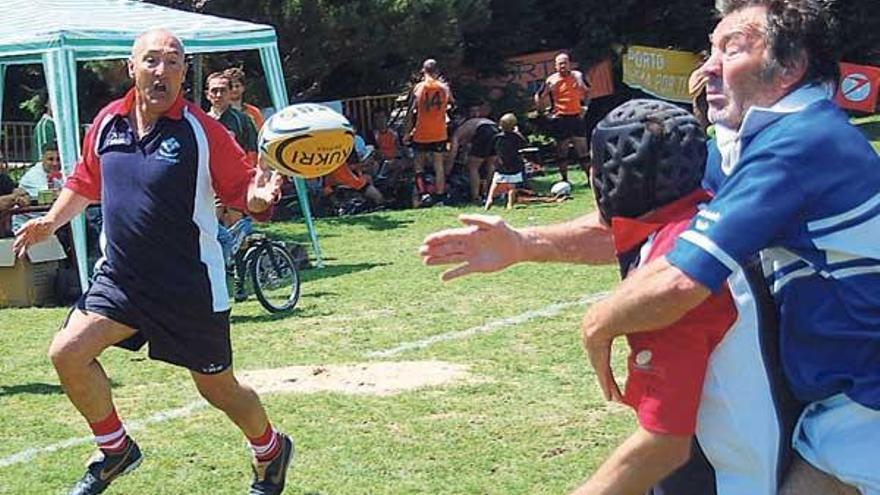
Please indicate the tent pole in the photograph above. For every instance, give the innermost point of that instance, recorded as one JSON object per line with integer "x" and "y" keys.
{"x": 274, "y": 76}
{"x": 2, "y": 87}
{"x": 59, "y": 65}
{"x": 198, "y": 79}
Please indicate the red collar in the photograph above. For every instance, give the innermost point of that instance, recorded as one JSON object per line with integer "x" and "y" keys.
{"x": 175, "y": 112}
{"x": 630, "y": 232}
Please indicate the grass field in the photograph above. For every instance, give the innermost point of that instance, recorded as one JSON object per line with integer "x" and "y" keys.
{"x": 529, "y": 420}
{"x": 871, "y": 127}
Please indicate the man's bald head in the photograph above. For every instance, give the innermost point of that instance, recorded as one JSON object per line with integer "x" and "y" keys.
{"x": 158, "y": 67}
{"x": 563, "y": 64}
{"x": 429, "y": 67}
{"x": 158, "y": 36}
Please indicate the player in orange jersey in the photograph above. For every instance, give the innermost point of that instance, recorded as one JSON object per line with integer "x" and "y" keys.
{"x": 568, "y": 91}
{"x": 429, "y": 136}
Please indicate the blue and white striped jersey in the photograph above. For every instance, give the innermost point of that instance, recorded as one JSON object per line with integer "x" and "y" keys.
{"x": 803, "y": 190}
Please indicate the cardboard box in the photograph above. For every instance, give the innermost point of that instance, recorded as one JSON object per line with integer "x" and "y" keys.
{"x": 29, "y": 281}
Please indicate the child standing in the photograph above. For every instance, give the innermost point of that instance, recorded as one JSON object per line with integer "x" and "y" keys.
{"x": 509, "y": 167}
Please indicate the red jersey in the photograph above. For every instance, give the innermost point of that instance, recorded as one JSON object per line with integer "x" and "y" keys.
{"x": 667, "y": 366}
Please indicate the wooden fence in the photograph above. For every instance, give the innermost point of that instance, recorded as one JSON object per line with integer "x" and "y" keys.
{"x": 16, "y": 138}
{"x": 360, "y": 109}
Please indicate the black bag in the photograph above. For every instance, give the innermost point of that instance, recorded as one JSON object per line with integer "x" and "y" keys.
{"x": 300, "y": 255}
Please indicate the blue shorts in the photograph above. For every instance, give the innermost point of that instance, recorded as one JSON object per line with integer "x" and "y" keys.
{"x": 842, "y": 438}
{"x": 194, "y": 339}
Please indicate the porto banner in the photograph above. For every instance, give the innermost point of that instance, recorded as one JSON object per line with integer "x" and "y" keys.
{"x": 658, "y": 72}
{"x": 858, "y": 87}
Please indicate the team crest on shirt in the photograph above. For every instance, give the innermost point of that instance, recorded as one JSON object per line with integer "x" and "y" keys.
{"x": 705, "y": 219}
{"x": 117, "y": 138}
{"x": 169, "y": 150}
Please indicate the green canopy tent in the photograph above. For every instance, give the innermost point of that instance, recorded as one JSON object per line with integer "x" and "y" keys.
{"x": 60, "y": 33}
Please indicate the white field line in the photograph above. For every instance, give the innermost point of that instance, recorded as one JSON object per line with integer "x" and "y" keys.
{"x": 544, "y": 312}
{"x": 159, "y": 417}
{"x": 180, "y": 412}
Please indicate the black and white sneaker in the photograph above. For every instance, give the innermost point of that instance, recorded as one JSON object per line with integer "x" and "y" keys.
{"x": 269, "y": 476}
{"x": 103, "y": 468}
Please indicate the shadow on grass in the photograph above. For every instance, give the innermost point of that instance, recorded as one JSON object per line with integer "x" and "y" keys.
{"x": 31, "y": 388}
{"x": 267, "y": 317}
{"x": 371, "y": 221}
{"x": 330, "y": 271}
{"x": 871, "y": 129}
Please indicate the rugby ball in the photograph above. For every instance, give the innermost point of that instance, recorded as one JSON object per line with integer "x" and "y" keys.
{"x": 561, "y": 188}
{"x": 306, "y": 140}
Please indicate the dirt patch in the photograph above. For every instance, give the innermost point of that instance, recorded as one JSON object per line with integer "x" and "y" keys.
{"x": 381, "y": 378}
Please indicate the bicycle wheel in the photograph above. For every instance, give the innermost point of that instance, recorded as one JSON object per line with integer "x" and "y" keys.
{"x": 275, "y": 278}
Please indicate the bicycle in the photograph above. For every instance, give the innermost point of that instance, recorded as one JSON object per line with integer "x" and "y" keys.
{"x": 266, "y": 269}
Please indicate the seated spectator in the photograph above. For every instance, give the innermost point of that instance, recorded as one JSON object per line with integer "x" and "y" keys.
{"x": 236, "y": 94}
{"x": 386, "y": 140}
{"x": 232, "y": 229}
{"x": 352, "y": 176}
{"x": 508, "y": 174}
{"x": 477, "y": 134}
{"x": 10, "y": 196}
{"x": 44, "y": 175}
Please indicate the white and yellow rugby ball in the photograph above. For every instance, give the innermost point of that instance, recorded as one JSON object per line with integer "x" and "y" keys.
{"x": 306, "y": 140}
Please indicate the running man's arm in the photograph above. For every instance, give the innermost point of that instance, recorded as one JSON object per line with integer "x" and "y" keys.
{"x": 68, "y": 205}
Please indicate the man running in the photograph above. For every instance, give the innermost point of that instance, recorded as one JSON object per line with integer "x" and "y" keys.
{"x": 156, "y": 162}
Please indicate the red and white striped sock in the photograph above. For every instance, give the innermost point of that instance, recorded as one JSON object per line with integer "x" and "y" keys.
{"x": 266, "y": 446}
{"x": 110, "y": 434}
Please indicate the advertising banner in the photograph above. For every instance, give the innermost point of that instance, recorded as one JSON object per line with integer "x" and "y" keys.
{"x": 658, "y": 72}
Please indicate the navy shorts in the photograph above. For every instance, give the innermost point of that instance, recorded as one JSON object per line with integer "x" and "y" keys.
{"x": 196, "y": 339}
{"x": 483, "y": 142}
{"x": 569, "y": 126}
{"x": 434, "y": 147}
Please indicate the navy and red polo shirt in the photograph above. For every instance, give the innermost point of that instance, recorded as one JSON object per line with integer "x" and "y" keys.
{"x": 158, "y": 195}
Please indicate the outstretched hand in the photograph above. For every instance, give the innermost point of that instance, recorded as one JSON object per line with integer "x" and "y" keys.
{"x": 34, "y": 231}
{"x": 486, "y": 244}
{"x": 267, "y": 190}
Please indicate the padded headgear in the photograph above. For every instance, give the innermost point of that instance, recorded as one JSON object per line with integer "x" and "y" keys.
{"x": 646, "y": 153}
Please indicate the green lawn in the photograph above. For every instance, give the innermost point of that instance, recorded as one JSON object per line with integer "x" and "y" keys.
{"x": 530, "y": 421}
{"x": 871, "y": 127}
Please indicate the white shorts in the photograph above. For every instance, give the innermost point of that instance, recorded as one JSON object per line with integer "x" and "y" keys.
{"x": 507, "y": 178}
{"x": 842, "y": 437}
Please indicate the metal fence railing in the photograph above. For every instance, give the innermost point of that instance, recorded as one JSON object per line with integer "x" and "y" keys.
{"x": 16, "y": 141}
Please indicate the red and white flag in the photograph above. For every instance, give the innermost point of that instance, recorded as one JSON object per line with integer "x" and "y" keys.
{"x": 858, "y": 87}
